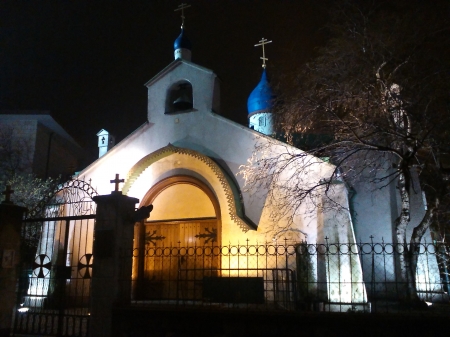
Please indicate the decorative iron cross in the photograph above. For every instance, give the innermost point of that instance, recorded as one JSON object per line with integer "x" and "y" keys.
{"x": 43, "y": 265}
{"x": 151, "y": 238}
{"x": 209, "y": 235}
{"x": 85, "y": 269}
{"x": 181, "y": 8}
{"x": 262, "y": 43}
{"x": 117, "y": 181}
{"x": 7, "y": 193}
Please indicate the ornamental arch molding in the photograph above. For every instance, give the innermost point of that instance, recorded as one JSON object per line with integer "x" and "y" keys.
{"x": 221, "y": 184}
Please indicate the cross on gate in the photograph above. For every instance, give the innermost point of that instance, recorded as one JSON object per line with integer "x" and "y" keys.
{"x": 85, "y": 269}
{"x": 7, "y": 193}
{"x": 116, "y": 181}
{"x": 262, "y": 43}
{"x": 42, "y": 266}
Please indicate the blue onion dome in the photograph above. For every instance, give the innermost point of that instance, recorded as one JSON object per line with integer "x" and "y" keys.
{"x": 262, "y": 96}
{"x": 182, "y": 41}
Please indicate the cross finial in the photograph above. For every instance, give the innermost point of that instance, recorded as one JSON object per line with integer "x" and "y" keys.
{"x": 7, "y": 193}
{"x": 262, "y": 43}
{"x": 117, "y": 181}
{"x": 181, "y": 8}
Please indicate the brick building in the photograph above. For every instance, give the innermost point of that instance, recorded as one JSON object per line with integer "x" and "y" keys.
{"x": 34, "y": 142}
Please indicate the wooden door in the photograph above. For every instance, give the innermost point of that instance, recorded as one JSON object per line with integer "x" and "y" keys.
{"x": 178, "y": 255}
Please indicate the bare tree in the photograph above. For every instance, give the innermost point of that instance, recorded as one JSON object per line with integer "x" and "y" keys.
{"x": 375, "y": 104}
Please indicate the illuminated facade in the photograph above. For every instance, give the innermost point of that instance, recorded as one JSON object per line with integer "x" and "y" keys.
{"x": 185, "y": 161}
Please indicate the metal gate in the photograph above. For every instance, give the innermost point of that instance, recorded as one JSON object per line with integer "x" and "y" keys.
{"x": 56, "y": 264}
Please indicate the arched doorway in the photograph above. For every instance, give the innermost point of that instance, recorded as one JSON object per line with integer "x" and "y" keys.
{"x": 171, "y": 261}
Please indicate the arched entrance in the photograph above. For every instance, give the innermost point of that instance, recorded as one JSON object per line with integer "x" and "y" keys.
{"x": 171, "y": 262}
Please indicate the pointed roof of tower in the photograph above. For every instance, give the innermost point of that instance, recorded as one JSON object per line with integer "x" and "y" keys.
{"x": 261, "y": 98}
{"x": 182, "y": 41}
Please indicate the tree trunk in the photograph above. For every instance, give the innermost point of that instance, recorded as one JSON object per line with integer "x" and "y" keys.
{"x": 417, "y": 235}
{"x": 407, "y": 277}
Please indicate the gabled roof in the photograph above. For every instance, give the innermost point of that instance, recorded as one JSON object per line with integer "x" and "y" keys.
{"x": 173, "y": 65}
{"x": 102, "y": 132}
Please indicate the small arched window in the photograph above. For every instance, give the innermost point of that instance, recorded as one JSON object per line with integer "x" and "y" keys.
{"x": 262, "y": 121}
{"x": 179, "y": 98}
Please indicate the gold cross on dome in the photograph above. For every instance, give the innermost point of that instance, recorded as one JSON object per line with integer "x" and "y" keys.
{"x": 116, "y": 182}
{"x": 7, "y": 193}
{"x": 181, "y": 8}
{"x": 262, "y": 43}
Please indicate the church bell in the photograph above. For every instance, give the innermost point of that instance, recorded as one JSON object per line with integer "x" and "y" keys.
{"x": 184, "y": 101}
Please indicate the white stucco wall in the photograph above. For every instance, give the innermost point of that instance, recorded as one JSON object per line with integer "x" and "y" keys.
{"x": 227, "y": 143}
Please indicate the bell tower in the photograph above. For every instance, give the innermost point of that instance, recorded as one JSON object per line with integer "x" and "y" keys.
{"x": 183, "y": 88}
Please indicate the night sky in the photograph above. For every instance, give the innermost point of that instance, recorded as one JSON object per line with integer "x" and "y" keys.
{"x": 87, "y": 61}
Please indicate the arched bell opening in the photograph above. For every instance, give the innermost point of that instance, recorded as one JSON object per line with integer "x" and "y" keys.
{"x": 185, "y": 219}
{"x": 179, "y": 98}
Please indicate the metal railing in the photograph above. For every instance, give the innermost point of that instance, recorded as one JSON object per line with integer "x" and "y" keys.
{"x": 343, "y": 277}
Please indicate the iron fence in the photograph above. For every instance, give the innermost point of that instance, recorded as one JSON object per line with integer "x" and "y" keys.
{"x": 329, "y": 277}
{"x": 55, "y": 270}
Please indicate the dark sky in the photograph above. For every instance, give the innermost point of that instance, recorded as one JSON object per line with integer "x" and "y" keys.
{"x": 87, "y": 61}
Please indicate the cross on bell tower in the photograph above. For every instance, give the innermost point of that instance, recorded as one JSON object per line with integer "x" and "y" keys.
{"x": 262, "y": 43}
{"x": 181, "y": 8}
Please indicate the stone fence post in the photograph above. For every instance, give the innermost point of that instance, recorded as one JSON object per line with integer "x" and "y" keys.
{"x": 113, "y": 245}
{"x": 10, "y": 224}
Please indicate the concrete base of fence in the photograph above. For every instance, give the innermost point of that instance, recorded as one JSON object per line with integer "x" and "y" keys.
{"x": 348, "y": 307}
{"x": 433, "y": 296}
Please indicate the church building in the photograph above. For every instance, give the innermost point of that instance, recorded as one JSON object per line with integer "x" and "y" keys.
{"x": 185, "y": 159}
